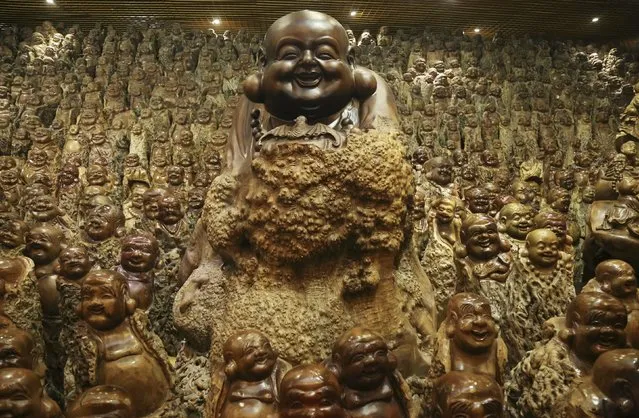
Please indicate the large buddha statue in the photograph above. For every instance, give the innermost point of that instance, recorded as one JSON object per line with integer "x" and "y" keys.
{"x": 305, "y": 235}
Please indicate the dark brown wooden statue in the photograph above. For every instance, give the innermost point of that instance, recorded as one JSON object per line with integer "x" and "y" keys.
{"x": 22, "y": 396}
{"x": 595, "y": 323}
{"x": 102, "y": 401}
{"x": 103, "y": 227}
{"x": 311, "y": 391}
{"x": 126, "y": 355}
{"x": 484, "y": 262}
{"x": 16, "y": 349}
{"x": 468, "y": 339}
{"x": 468, "y": 395}
{"x": 366, "y": 368}
{"x": 251, "y": 376}
{"x": 138, "y": 259}
{"x": 617, "y": 278}
{"x": 43, "y": 244}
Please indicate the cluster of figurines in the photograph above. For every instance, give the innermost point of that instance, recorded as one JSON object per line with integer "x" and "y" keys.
{"x": 524, "y": 219}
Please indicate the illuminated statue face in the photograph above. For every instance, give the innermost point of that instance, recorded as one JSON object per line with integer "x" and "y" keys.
{"x": 445, "y": 211}
{"x": 310, "y": 391}
{"x": 252, "y": 354}
{"x": 138, "y": 254}
{"x": 543, "y": 248}
{"x": 472, "y": 327}
{"x": 41, "y": 244}
{"x": 517, "y": 220}
{"x": 307, "y": 71}
{"x": 20, "y": 394}
{"x": 483, "y": 240}
{"x": 103, "y": 304}
{"x": 599, "y": 327}
{"x": 74, "y": 263}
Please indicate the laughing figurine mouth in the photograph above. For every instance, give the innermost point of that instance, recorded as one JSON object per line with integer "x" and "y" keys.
{"x": 308, "y": 79}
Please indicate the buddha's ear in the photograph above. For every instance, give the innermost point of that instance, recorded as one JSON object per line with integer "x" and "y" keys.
{"x": 567, "y": 336}
{"x": 131, "y": 304}
{"x": 230, "y": 369}
{"x": 252, "y": 87}
{"x": 334, "y": 365}
{"x": 605, "y": 286}
{"x": 450, "y": 325}
{"x": 365, "y": 83}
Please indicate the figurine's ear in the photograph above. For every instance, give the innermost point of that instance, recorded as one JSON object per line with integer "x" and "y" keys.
{"x": 524, "y": 252}
{"x": 504, "y": 245}
{"x": 120, "y": 232}
{"x": 231, "y": 369}
{"x": 131, "y": 304}
{"x": 460, "y": 250}
{"x": 450, "y": 325}
{"x": 365, "y": 83}
{"x": 569, "y": 240}
{"x": 253, "y": 88}
{"x": 567, "y": 336}
{"x": 333, "y": 365}
{"x": 605, "y": 286}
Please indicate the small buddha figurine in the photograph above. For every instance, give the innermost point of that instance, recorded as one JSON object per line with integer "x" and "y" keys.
{"x": 74, "y": 265}
{"x": 133, "y": 206}
{"x": 439, "y": 176}
{"x": 22, "y": 395}
{"x": 468, "y": 339}
{"x": 125, "y": 353}
{"x": 594, "y": 324}
{"x": 311, "y": 391}
{"x": 617, "y": 278}
{"x": 557, "y": 223}
{"x": 102, "y": 228}
{"x": 437, "y": 258}
{"x": 196, "y": 200}
{"x": 540, "y": 289}
{"x": 43, "y": 244}
{"x": 612, "y": 390}
{"x": 16, "y": 349}
{"x": 468, "y": 395}
{"x": 515, "y": 222}
{"x": 151, "y": 202}
{"x": 102, "y": 401}
{"x": 12, "y": 233}
{"x": 172, "y": 229}
{"x": 477, "y": 200}
{"x": 367, "y": 370}
{"x": 484, "y": 262}
{"x": 138, "y": 258}
{"x": 251, "y": 374}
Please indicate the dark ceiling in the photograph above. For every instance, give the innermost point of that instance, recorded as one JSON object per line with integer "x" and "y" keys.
{"x": 556, "y": 18}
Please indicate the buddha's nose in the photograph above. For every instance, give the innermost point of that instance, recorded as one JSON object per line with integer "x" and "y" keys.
{"x": 307, "y": 58}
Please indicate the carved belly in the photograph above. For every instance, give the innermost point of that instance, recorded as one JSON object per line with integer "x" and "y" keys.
{"x": 378, "y": 410}
{"x": 249, "y": 408}
{"x": 142, "y": 378}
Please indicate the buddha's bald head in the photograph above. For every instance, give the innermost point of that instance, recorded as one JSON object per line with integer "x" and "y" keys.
{"x": 305, "y": 23}
{"x": 308, "y": 70}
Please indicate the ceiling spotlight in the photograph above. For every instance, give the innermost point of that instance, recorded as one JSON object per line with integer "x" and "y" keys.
{"x": 353, "y": 13}
{"x": 476, "y": 30}
{"x": 595, "y": 19}
{"x": 216, "y": 21}
{"x": 50, "y": 1}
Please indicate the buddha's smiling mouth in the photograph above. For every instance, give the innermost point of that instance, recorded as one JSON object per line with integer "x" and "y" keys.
{"x": 308, "y": 79}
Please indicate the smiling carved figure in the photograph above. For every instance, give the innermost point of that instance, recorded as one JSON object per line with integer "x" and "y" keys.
{"x": 251, "y": 376}
{"x": 468, "y": 338}
{"x": 366, "y": 368}
{"x": 127, "y": 356}
{"x": 595, "y": 323}
{"x": 541, "y": 287}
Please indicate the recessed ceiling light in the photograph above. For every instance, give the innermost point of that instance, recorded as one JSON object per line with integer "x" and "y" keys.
{"x": 476, "y": 30}
{"x": 353, "y": 13}
{"x": 595, "y": 19}
{"x": 216, "y": 21}
{"x": 50, "y": 1}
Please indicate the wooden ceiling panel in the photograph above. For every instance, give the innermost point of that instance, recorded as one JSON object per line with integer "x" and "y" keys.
{"x": 556, "y": 18}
